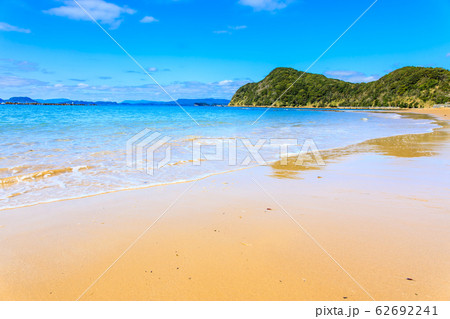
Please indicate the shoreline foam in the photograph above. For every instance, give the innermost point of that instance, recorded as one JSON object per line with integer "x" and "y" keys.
{"x": 158, "y": 184}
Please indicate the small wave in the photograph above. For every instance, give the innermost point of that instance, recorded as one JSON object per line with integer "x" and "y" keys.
{"x": 19, "y": 169}
{"x": 102, "y": 153}
{"x": 11, "y": 180}
{"x": 186, "y": 162}
{"x": 191, "y": 138}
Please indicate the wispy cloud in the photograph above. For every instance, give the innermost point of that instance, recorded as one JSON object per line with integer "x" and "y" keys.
{"x": 18, "y": 65}
{"x": 16, "y": 81}
{"x": 83, "y": 91}
{"x": 105, "y": 77}
{"x": 154, "y": 70}
{"x": 77, "y": 80}
{"x": 238, "y": 27}
{"x": 265, "y": 5}
{"x": 234, "y": 28}
{"x": 10, "y": 28}
{"x": 47, "y": 72}
{"x": 448, "y": 55}
{"x": 148, "y": 19}
{"x": 12, "y": 66}
{"x": 105, "y": 12}
{"x": 222, "y": 32}
{"x": 352, "y": 76}
{"x": 149, "y": 69}
{"x": 180, "y": 89}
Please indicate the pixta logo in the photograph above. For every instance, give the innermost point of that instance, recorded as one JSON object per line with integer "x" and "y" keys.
{"x": 149, "y": 151}
{"x": 143, "y": 148}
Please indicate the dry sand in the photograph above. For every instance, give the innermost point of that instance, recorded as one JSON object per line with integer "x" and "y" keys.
{"x": 380, "y": 209}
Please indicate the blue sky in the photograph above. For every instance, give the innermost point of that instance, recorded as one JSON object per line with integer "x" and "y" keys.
{"x": 207, "y": 48}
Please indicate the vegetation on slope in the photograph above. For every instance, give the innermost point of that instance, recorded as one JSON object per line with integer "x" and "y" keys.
{"x": 405, "y": 87}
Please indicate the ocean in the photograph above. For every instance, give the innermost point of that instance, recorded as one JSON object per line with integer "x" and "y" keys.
{"x": 50, "y": 153}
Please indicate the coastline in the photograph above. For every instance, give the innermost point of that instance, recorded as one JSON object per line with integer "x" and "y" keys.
{"x": 233, "y": 248}
{"x": 161, "y": 183}
{"x": 443, "y": 112}
{"x": 424, "y": 110}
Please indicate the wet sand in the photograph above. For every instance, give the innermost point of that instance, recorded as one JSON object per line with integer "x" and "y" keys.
{"x": 373, "y": 223}
{"x": 443, "y": 112}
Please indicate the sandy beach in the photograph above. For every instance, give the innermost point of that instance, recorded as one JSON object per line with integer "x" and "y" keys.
{"x": 373, "y": 224}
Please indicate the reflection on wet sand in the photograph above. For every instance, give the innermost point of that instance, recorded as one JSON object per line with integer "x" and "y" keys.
{"x": 409, "y": 145}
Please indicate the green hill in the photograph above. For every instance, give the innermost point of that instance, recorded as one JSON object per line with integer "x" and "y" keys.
{"x": 405, "y": 87}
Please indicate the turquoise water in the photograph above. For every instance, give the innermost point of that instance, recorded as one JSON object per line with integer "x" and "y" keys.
{"x": 57, "y": 152}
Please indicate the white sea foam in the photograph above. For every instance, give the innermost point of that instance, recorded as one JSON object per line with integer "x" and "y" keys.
{"x": 51, "y": 153}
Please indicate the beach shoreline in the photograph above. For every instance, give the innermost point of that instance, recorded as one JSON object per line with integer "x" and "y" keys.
{"x": 54, "y": 171}
{"x": 442, "y": 112}
{"x": 230, "y": 236}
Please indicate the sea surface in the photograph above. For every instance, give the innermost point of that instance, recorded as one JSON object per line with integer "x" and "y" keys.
{"x": 49, "y": 153}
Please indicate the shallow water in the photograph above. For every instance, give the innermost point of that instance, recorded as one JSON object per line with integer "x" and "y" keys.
{"x": 56, "y": 152}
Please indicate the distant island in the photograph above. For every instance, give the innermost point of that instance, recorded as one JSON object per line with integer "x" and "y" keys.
{"x": 406, "y": 87}
{"x": 182, "y": 102}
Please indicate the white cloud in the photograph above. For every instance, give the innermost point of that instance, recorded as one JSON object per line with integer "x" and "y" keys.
{"x": 7, "y": 27}
{"x": 14, "y": 86}
{"x": 235, "y": 28}
{"x": 104, "y": 12}
{"x": 222, "y": 32}
{"x": 15, "y": 81}
{"x": 18, "y": 65}
{"x": 225, "y": 82}
{"x": 153, "y": 70}
{"x": 148, "y": 19}
{"x": 352, "y": 76}
{"x": 238, "y": 27}
{"x": 267, "y": 5}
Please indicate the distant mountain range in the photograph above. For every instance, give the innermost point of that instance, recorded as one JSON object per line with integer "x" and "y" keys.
{"x": 183, "y": 102}
{"x": 405, "y": 87}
